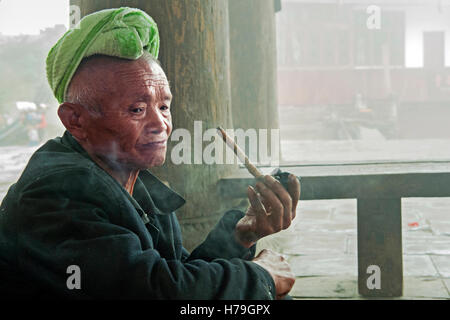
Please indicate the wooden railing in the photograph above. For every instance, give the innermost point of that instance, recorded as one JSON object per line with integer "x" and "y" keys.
{"x": 378, "y": 189}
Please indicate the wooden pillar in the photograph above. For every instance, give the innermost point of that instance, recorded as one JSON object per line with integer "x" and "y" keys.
{"x": 195, "y": 56}
{"x": 253, "y": 65}
{"x": 380, "y": 266}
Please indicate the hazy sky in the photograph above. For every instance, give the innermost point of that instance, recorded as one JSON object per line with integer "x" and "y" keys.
{"x": 30, "y": 16}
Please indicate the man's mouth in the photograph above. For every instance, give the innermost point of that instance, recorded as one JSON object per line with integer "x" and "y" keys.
{"x": 154, "y": 144}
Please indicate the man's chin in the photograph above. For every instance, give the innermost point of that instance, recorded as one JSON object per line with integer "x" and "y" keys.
{"x": 154, "y": 163}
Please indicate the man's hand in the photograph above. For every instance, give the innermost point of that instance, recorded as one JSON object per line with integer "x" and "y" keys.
{"x": 272, "y": 209}
{"x": 279, "y": 269}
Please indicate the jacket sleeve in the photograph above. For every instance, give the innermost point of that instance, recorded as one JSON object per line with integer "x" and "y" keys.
{"x": 221, "y": 243}
{"x": 60, "y": 224}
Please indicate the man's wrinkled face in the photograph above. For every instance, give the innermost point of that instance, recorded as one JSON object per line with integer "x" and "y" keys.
{"x": 136, "y": 122}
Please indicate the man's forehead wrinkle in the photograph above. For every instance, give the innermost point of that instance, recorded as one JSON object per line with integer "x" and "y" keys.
{"x": 156, "y": 93}
{"x": 138, "y": 72}
{"x": 160, "y": 88}
{"x": 141, "y": 76}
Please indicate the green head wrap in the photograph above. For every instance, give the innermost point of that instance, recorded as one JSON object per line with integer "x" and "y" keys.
{"x": 123, "y": 33}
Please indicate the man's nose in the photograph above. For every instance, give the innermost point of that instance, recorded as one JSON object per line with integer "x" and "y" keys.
{"x": 156, "y": 122}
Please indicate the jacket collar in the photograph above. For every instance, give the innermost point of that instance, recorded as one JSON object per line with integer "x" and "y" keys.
{"x": 150, "y": 194}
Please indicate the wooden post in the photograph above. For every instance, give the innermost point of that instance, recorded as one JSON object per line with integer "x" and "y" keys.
{"x": 195, "y": 56}
{"x": 253, "y": 65}
{"x": 380, "y": 247}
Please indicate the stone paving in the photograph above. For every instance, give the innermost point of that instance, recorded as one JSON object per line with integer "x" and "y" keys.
{"x": 322, "y": 249}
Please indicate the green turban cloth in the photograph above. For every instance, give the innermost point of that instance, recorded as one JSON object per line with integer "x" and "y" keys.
{"x": 124, "y": 33}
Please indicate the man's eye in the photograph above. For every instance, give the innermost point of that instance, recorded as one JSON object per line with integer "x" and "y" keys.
{"x": 164, "y": 108}
{"x": 137, "y": 110}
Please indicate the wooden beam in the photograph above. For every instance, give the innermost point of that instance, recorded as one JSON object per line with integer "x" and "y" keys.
{"x": 357, "y": 181}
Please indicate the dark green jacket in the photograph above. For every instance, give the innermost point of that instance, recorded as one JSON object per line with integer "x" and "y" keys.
{"x": 65, "y": 210}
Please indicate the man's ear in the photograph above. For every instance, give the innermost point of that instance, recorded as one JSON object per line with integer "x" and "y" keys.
{"x": 72, "y": 116}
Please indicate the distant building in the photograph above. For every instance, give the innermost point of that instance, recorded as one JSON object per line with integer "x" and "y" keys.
{"x": 329, "y": 51}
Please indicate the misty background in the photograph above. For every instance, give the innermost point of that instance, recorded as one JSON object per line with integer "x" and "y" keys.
{"x": 364, "y": 80}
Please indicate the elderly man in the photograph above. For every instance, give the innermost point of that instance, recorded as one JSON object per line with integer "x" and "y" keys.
{"x": 86, "y": 202}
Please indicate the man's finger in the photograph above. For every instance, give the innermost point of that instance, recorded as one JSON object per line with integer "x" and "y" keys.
{"x": 294, "y": 188}
{"x": 254, "y": 201}
{"x": 272, "y": 201}
{"x": 284, "y": 197}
